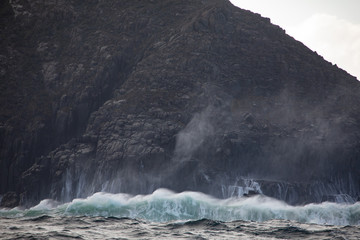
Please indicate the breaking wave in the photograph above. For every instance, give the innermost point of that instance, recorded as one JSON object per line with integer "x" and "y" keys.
{"x": 164, "y": 205}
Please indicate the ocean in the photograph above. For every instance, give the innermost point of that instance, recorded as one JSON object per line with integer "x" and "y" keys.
{"x": 187, "y": 215}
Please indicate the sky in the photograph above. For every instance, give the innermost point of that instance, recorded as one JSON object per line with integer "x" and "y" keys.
{"x": 329, "y": 27}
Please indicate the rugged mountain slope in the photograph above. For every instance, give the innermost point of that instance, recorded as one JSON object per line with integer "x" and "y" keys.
{"x": 129, "y": 96}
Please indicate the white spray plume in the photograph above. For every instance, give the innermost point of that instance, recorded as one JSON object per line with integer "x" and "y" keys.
{"x": 194, "y": 134}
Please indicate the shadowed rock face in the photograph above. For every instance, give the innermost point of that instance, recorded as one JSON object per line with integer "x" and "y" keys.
{"x": 130, "y": 96}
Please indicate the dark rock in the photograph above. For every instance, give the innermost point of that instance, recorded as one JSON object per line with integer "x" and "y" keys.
{"x": 129, "y": 96}
{"x": 10, "y": 200}
{"x": 251, "y": 193}
{"x": 339, "y": 198}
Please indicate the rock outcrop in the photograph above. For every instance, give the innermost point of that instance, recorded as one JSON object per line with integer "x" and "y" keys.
{"x": 130, "y": 96}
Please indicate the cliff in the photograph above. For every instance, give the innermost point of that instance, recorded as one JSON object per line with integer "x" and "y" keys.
{"x": 130, "y": 96}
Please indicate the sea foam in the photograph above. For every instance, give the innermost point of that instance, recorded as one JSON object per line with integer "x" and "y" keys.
{"x": 164, "y": 205}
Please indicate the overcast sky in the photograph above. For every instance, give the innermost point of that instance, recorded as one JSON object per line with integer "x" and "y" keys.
{"x": 329, "y": 27}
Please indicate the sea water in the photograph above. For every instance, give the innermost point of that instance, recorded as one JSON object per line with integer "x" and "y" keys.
{"x": 187, "y": 215}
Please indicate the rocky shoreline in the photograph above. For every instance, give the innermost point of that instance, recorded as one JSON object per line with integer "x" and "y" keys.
{"x": 128, "y": 96}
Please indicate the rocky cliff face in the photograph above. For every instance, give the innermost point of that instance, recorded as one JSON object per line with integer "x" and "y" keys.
{"x": 130, "y": 96}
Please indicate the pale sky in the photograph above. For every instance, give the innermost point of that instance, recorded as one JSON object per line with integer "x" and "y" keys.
{"x": 329, "y": 27}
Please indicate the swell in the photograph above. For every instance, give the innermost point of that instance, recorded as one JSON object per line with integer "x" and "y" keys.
{"x": 166, "y": 206}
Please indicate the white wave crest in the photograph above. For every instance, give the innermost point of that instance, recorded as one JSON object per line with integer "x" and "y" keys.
{"x": 164, "y": 205}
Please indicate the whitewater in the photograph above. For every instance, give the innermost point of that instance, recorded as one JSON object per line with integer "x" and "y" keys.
{"x": 187, "y": 215}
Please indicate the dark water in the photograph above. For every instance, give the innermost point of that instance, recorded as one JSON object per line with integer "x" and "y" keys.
{"x": 66, "y": 227}
{"x": 187, "y": 215}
